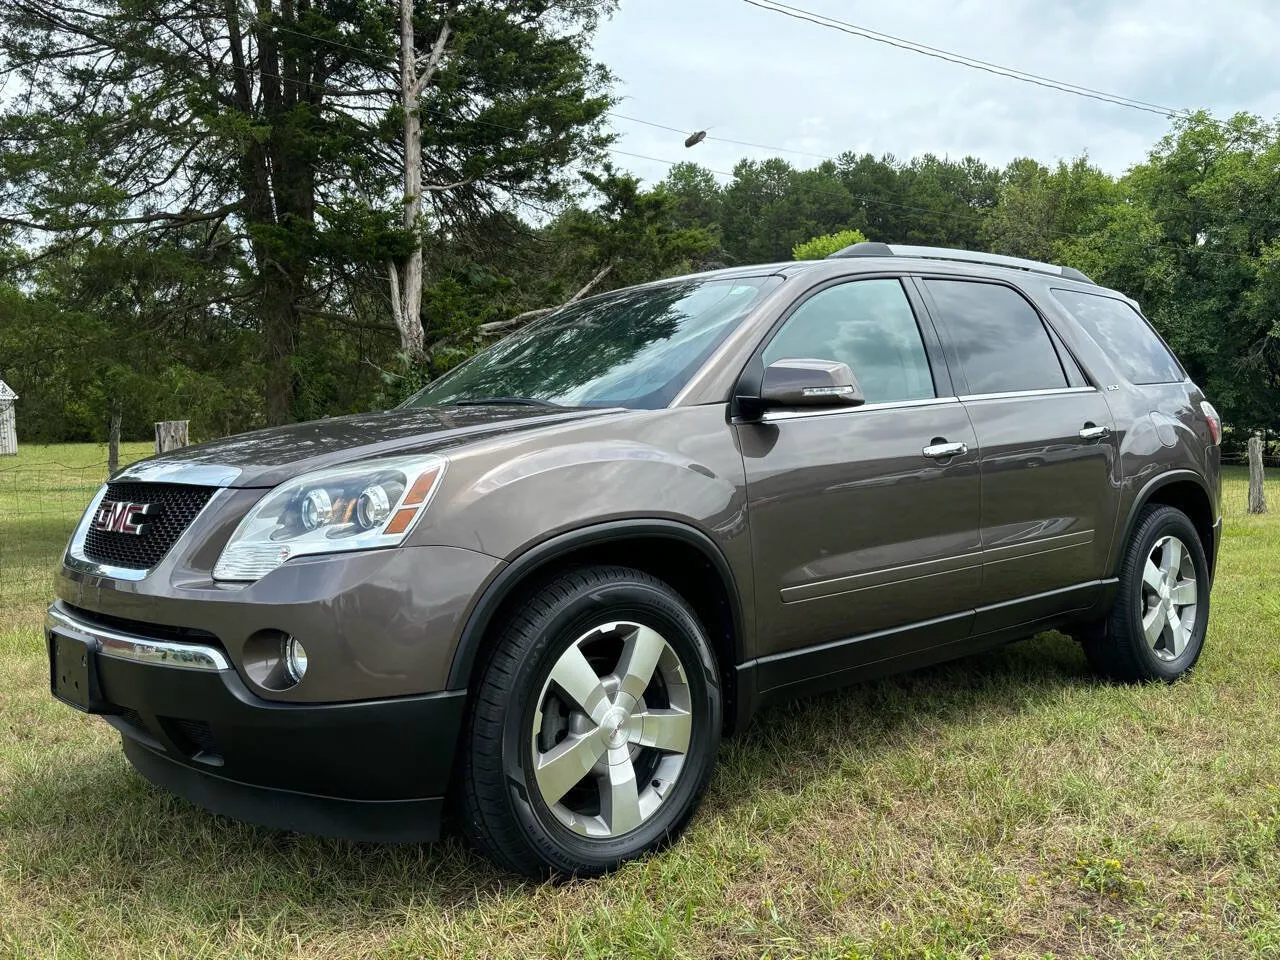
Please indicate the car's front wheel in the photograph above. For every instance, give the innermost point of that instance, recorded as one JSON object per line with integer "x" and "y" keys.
{"x": 594, "y": 727}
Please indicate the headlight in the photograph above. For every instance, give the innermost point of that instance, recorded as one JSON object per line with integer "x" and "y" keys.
{"x": 356, "y": 507}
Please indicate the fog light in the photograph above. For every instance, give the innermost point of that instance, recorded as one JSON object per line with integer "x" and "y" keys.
{"x": 295, "y": 659}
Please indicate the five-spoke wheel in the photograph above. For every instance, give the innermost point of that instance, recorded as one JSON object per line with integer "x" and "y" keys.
{"x": 596, "y": 725}
{"x": 611, "y": 729}
{"x": 1156, "y": 626}
{"x": 1169, "y": 595}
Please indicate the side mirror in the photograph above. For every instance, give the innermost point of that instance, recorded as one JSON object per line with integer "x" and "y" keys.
{"x": 810, "y": 383}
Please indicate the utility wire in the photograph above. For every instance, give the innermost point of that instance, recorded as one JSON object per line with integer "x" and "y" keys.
{"x": 844, "y": 194}
{"x": 972, "y": 62}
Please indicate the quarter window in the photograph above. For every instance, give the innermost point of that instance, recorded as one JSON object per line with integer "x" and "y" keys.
{"x": 867, "y": 324}
{"x": 1125, "y": 336}
{"x": 1000, "y": 340}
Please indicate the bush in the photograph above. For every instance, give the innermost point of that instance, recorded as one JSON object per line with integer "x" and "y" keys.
{"x": 820, "y": 247}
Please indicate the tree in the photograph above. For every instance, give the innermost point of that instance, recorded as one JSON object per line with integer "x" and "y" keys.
{"x": 279, "y": 122}
{"x": 1194, "y": 236}
{"x": 1038, "y": 208}
{"x": 827, "y": 244}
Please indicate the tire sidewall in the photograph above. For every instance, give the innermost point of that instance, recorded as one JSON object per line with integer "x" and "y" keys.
{"x": 653, "y": 606}
{"x": 1164, "y": 522}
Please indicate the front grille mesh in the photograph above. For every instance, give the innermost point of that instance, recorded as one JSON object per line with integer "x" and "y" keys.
{"x": 179, "y": 504}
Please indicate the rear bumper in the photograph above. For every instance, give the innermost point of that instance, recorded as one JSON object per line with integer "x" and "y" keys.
{"x": 364, "y": 770}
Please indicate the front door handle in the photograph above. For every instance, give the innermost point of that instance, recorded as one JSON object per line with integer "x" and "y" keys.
{"x": 943, "y": 450}
{"x": 1092, "y": 432}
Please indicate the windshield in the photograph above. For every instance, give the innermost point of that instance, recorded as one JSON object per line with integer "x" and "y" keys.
{"x": 634, "y": 348}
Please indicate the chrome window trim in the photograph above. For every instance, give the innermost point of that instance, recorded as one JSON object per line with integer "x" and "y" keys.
{"x": 123, "y": 646}
{"x": 1013, "y": 394}
{"x": 75, "y": 558}
{"x": 771, "y": 415}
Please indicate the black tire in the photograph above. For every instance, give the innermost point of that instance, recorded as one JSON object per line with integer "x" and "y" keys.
{"x": 1117, "y": 648}
{"x": 502, "y": 809}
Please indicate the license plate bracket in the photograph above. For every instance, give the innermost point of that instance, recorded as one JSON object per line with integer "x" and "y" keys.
{"x": 73, "y": 673}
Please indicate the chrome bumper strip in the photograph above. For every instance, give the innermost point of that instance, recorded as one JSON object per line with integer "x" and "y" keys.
{"x": 123, "y": 646}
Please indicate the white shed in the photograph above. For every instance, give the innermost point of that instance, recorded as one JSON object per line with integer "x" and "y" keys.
{"x": 8, "y": 430}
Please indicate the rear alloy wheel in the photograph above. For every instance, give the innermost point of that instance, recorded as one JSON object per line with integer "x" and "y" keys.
{"x": 594, "y": 727}
{"x": 1169, "y": 598}
{"x": 1156, "y": 628}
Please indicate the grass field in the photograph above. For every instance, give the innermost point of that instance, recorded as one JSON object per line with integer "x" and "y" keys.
{"x": 1007, "y": 806}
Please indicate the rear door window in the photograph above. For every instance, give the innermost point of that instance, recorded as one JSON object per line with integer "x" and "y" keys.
{"x": 999, "y": 339}
{"x": 1121, "y": 331}
{"x": 868, "y": 324}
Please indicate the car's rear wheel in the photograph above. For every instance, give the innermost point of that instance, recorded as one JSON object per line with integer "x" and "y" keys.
{"x": 594, "y": 727}
{"x": 1157, "y": 627}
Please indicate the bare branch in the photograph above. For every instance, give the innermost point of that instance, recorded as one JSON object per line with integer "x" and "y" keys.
{"x": 432, "y": 61}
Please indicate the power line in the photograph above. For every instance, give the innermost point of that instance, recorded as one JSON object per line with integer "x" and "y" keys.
{"x": 740, "y": 143}
{"x": 843, "y": 193}
{"x": 972, "y": 62}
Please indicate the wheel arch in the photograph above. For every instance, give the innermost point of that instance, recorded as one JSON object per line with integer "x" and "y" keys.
{"x": 1184, "y": 490}
{"x": 676, "y": 553}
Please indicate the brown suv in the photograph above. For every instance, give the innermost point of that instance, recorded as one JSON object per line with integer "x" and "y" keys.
{"x": 544, "y": 586}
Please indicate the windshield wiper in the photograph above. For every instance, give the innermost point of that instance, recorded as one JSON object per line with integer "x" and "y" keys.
{"x": 506, "y": 402}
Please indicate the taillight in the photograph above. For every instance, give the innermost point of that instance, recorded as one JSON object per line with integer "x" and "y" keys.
{"x": 1215, "y": 422}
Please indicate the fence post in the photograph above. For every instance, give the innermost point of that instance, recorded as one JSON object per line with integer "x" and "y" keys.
{"x": 113, "y": 443}
{"x": 1257, "y": 491}
{"x": 171, "y": 434}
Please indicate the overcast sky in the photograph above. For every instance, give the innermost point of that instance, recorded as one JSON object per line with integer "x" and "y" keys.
{"x": 747, "y": 74}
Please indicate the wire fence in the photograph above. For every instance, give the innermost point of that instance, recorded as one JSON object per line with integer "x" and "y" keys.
{"x": 43, "y": 493}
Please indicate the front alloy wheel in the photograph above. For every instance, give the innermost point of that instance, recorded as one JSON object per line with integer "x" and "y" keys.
{"x": 609, "y": 747}
{"x": 594, "y": 726}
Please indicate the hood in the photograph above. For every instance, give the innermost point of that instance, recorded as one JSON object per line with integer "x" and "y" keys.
{"x": 265, "y": 458}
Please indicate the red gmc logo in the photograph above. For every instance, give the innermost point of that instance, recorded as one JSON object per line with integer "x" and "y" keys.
{"x": 115, "y": 516}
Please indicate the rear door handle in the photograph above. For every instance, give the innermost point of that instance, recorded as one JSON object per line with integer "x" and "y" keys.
{"x": 1091, "y": 432}
{"x": 941, "y": 451}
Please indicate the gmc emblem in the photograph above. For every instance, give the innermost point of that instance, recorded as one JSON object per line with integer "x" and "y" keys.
{"x": 115, "y": 516}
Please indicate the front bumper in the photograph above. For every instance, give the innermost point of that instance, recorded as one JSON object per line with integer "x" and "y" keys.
{"x": 366, "y": 770}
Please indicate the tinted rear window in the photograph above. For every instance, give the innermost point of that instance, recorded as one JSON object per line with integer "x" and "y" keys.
{"x": 1002, "y": 344}
{"x": 1122, "y": 332}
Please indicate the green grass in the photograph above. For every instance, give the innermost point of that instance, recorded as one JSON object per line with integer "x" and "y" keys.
{"x": 1007, "y": 805}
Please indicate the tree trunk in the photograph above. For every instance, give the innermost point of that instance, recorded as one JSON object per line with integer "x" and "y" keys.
{"x": 279, "y": 339}
{"x": 171, "y": 434}
{"x": 113, "y": 441}
{"x": 1257, "y": 487}
{"x": 406, "y": 278}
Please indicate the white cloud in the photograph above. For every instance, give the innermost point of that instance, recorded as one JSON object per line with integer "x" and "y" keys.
{"x": 747, "y": 74}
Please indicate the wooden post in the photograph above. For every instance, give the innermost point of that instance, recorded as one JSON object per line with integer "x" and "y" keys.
{"x": 1257, "y": 490}
{"x": 113, "y": 443}
{"x": 171, "y": 434}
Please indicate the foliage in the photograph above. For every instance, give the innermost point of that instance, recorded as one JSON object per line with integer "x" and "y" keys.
{"x": 827, "y": 244}
{"x": 146, "y": 265}
{"x": 269, "y": 133}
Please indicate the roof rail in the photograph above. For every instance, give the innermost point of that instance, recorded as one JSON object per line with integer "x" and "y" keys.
{"x": 872, "y": 249}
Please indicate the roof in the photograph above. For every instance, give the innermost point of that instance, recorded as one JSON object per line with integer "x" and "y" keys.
{"x": 6, "y": 392}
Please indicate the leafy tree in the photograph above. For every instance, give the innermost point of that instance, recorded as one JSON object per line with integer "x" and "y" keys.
{"x": 827, "y": 244}
{"x": 278, "y": 122}
{"x": 1039, "y": 208}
